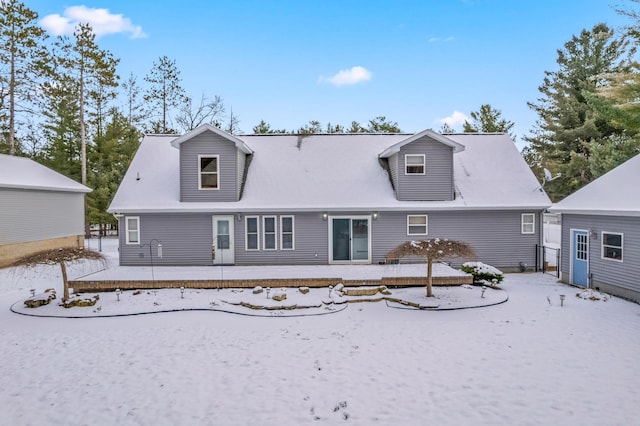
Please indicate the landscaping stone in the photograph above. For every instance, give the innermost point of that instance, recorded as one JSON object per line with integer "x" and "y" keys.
{"x": 40, "y": 299}
{"x": 80, "y": 301}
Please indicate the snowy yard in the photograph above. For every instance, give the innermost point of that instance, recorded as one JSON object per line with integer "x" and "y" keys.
{"x": 526, "y": 361}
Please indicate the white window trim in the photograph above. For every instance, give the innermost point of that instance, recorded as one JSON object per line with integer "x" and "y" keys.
{"x": 275, "y": 233}
{"x": 426, "y": 224}
{"x": 602, "y": 246}
{"x": 200, "y": 157}
{"x": 424, "y": 164}
{"x": 126, "y": 229}
{"x": 293, "y": 233}
{"x": 532, "y": 223}
{"x": 246, "y": 233}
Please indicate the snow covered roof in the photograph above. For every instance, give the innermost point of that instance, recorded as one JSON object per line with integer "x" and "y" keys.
{"x": 614, "y": 193}
{"x": 333, "y": 172}
{"x": 24, "y": 173}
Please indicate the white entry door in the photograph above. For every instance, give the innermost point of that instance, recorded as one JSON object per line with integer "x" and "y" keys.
{"x": 222, "y": 248}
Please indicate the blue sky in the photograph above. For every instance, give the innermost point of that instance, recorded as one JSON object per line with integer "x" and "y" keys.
{"x": 288, "y": 62}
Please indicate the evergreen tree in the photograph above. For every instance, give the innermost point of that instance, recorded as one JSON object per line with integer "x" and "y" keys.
{"x": 93, "y": 72}
{"x": 61, "y": 127}
{"x": 164, "y": 93}
{"x": 109, "y": 159}
{"x": 22, "y": 57}
{"x": 488, "y": 120}
{"x": 382, "y": 125}
{"x": 567, "y": 125}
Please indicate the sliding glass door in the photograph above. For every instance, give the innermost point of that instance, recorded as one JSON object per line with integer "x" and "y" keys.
{"x": 350, "y": 239}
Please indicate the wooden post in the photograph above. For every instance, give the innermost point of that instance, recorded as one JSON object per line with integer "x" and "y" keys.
{"x": 64, "y": 281}
{"x": 429, "y": 278}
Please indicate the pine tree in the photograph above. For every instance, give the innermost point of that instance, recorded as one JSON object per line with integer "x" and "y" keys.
{"x": 567, "y": 125}
{"x": 488, "y": 120}
{"x": 164, "y": 93}
{"x": 93, "y": 71}
{"x": 23, "y": 54}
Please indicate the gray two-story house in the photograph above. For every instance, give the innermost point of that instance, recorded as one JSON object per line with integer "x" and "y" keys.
{"x": 210, "y": 198}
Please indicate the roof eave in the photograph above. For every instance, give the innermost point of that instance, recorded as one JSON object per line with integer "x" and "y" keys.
{"x": 208, "y": 127}
{"x": 457, "y": 147}
{"x": 595, "y": 212}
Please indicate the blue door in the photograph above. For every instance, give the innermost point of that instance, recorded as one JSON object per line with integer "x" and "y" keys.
{"x": 579, "y": 258}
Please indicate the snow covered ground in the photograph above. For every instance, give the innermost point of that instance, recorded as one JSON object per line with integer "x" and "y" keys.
{"x": 528, "y": 361}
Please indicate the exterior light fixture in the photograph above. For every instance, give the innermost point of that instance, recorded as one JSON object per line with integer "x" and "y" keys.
{"x": 562, "y": 296}
{"x": 238, "y": 217}
{"x": 160, "y": 250}
{"x": 118, "y": 292}
{"x": 374, "y": 215}
{"x": 325, "y": 216}
{"x": 182, "y": 292}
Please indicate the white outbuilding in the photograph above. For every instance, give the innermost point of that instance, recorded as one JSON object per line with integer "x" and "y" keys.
{"x": 40, "y": 209}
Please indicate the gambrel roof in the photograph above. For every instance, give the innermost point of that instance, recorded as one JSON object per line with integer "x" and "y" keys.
{"x": 615, "y": 193}
{"x": 334, "y": 172}
{"x": 24, "y": 173}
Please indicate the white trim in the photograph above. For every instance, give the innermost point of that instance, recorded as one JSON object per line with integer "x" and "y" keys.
{"x": 424, "y": 164}
{"x": 426, "y": 224}
{"x": 275, "y": 233}
{"x": 126, "y": 229}
{"x": 293, "y": 232}
{"x": 246, "y": 233}
{"x": 351, "y": 218}
{"x": 621, "y": 246}
{"x": 457, "y": 147}
{"x": 217, "y": 172}
{"x": 532, "y": 223}
{"x": 208, "y": 127}
{"x": 224, "y": 256}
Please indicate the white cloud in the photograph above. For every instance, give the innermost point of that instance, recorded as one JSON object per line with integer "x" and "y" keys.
{"x": 348, "y": 77}
{"x": 455, "y": 119}
{"x": 101, "y": 20}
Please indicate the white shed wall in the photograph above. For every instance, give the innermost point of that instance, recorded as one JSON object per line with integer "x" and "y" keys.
{"x": 30, "y": 215}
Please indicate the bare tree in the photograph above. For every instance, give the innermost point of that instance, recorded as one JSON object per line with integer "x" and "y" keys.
{"x": 206, "y": 111}
{"x": 434, "y": 249}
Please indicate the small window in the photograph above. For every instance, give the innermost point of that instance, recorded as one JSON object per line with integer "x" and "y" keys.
{"x": 269, "y": 232}
{"x": 417, "y": 224}
{"x": 208, "y": 176}
{"x": 414, "y": 164}
{"x": 612, "y": 246}
{"x": 286, "y": 233}
{"x": 528, "y": 224}
{"x": 132, "y": 231}
{"x": 251, "y": 233}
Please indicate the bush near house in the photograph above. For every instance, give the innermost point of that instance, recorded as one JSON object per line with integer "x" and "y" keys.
{"x": 483, "y": 273}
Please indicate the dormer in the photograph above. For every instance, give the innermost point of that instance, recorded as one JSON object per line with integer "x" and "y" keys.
{"x": 212, "y": 165}
{"x": 421, "y": 167}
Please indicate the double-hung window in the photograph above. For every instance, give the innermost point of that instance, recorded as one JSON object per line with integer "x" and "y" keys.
{"x": 132, "y": 229}
{"x": 269, "y": 232}
{"x": 414, "y": 164}
{"x": 252, "y": 241}
{"x": 417, "y": 224}
{"x": 528, "y": 223}
{"x": 208, "y": 172}
{"x": 286, "y": 233}
{"x": 612, "y": 246}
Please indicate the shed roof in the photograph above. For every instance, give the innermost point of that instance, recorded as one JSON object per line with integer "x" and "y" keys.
{"x": 615, "y": 193}
{"x": 24, "y": 173}
{"x": 333, "y": 172}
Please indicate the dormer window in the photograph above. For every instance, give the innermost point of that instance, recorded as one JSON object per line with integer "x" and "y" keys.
{"x": 414, "y": 164}
{"x": 208, "y": 176}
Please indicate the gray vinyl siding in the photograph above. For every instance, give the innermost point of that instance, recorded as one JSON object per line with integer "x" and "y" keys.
{"x": 495, "y": 235}
{"x": 187, "y": 238}
{"x": 437, "y": 182}
{"x": 209, "y": 143}
{"x": 31, "y": 215}
{"x": 620, "y": 278}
